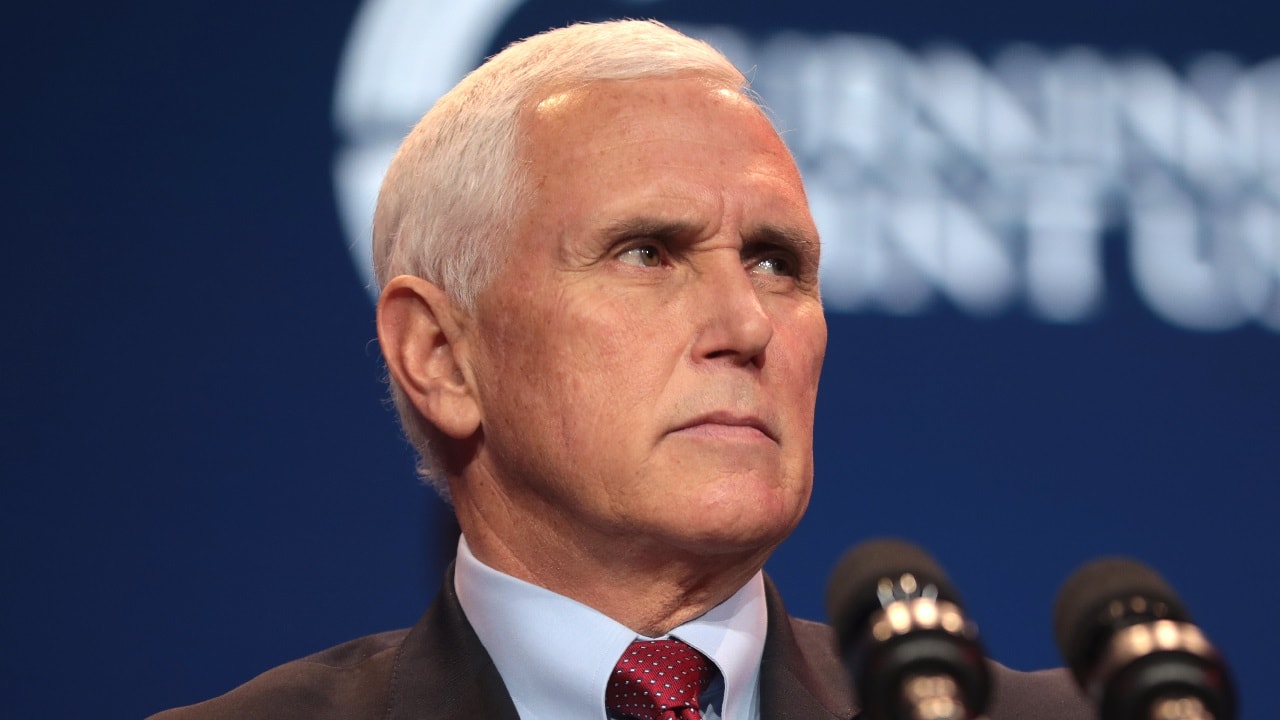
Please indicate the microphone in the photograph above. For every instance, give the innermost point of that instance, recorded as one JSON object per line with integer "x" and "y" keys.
{"x": 1133, "y": 649}
{"x": 910, "y": 651}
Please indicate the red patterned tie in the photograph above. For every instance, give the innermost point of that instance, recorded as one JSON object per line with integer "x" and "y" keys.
{"x": 658, "y": 680}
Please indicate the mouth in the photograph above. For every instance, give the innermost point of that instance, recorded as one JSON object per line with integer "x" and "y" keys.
{"x": 724, "y": 425}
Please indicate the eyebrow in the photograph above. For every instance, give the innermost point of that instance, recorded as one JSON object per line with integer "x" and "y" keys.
{"x": 795, "y": 239}
{"x": 649, "y": 227}
{"x": 798, "y": 241}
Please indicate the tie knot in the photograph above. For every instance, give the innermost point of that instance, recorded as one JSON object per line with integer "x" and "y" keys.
{"x": 658, "y": 680}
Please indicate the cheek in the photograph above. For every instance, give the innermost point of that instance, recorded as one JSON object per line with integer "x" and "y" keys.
{"x": 620, "y": 338}
{"x": 801, "y": 349}
{"x": 810, "y": 339}
{"x": 583, "y": 367}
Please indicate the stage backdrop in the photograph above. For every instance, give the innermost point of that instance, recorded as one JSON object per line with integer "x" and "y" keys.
{"x": 1051, "y": 269}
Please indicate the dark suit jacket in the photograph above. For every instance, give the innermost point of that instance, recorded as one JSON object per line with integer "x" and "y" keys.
{"x": 438, "y": 670}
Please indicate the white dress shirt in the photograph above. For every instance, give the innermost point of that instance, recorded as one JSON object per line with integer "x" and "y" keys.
{"x": 555, "y": 654}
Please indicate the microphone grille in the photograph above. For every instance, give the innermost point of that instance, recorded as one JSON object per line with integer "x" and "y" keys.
{"x": 851, "y": 592}
{"x": 1104, "y": 596}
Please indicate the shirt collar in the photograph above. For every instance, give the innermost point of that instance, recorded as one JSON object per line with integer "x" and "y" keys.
{"x": 555, "y": 655}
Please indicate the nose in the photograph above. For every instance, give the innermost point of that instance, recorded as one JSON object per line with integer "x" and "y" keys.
{"x": 733, "y": 322}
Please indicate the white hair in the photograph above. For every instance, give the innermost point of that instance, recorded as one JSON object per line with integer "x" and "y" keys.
{"x": 455, "y": 187}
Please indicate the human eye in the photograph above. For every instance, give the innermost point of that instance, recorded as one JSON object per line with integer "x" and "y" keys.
{"x": 782, "y": 255}
{"x": 773, "y": 261}
{"x": 777, "y": 265}
{"x": 642, "y": 256}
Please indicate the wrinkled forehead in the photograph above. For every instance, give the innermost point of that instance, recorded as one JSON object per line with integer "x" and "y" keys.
{"x": 566, "y": 121}
{"x": 680, "y": 151}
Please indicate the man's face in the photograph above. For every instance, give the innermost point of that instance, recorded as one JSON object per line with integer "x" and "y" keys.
{"x": 647, "y": 357}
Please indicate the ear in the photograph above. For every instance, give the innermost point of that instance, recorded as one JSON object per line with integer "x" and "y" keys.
{"x": 423, "y": 344}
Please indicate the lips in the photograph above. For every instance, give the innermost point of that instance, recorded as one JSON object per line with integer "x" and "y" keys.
{"x": 726, "y": 423}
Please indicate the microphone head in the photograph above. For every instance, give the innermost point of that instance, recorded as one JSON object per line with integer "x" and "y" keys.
{"x": 852, "y": 592}
{"x": 1103, "y": 597}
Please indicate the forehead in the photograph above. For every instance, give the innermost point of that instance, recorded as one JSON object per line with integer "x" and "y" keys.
{"x": 658, "y": 141}
{"x": 611, "y": 113}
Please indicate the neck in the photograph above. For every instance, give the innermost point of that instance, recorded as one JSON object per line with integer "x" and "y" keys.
{"x": 648, "y": 584}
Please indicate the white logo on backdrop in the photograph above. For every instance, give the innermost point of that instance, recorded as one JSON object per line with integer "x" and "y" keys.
{"x": 935, "y": 175}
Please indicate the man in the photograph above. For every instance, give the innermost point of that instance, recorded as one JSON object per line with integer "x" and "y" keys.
{"x": 600, "y": 314}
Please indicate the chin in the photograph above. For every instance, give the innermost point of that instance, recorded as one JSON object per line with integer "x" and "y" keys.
{"x": 746, "y": 523}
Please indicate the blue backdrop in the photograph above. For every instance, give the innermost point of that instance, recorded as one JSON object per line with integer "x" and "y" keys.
{"x": 203, "y": 478}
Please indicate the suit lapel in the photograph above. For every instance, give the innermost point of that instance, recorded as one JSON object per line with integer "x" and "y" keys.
{"x": 801, "y": 676}
{"x": 442, "y": 672}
